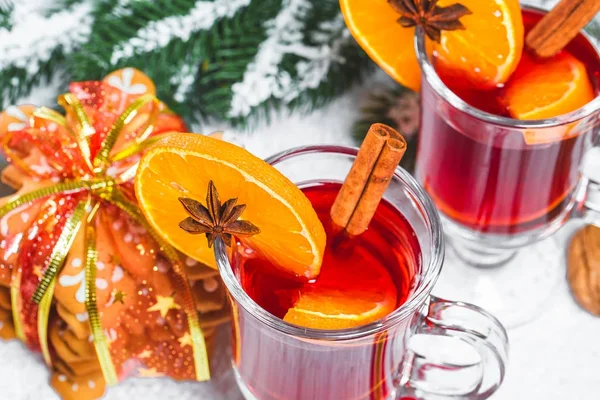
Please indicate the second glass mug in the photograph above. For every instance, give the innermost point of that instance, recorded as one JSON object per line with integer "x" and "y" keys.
{"x": 503, "y": 184}
{"x": 275, "y": 360}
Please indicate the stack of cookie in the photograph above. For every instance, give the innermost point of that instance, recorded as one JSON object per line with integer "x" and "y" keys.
{"x": 210, "y": 296}
{"x": 13, "y": 225}
{"x": 7, "y": 330}
{"x": 76, "y": 370}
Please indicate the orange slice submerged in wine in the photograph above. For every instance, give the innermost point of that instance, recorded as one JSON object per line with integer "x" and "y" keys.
{"x": 549, "y": 88}
{"x": 182, "y": 164}
{"x": 345, "y": 296}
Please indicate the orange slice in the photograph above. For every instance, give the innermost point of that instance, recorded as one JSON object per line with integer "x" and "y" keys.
{"x": 345, "y": 295}
{"x": 336, "y": 309}
{"x": 374, "y": 25}
{"x": 484, "y": 54}
{"x": 548, "y": 88}
{"x": 182, "y": 164}
{"x": 488, "y": 50}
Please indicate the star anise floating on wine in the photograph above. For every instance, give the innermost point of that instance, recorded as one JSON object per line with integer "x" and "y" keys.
{"x": 216, "y": 219}
{"x": 427, "y": 14}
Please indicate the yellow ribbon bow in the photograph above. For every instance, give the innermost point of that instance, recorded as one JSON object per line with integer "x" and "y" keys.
{"x": 100, "y": 186}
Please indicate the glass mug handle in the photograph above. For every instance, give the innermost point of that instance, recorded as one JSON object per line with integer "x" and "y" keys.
{"x": 425, "y": 376}
{"x": 589, "y": 198}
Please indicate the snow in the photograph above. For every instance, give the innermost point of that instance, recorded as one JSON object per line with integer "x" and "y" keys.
{"x": 184, "y": 81}
{"x": 313, "y": 71}
{"x": 33, "y": 37}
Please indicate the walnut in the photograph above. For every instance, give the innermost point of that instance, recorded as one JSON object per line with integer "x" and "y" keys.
{"x": 583, "y": 268}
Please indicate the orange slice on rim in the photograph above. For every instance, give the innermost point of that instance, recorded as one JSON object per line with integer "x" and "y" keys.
{"x": 374, "y": 25}
{"x": 484, "y": 54}
{"x": 182, "y": 164}
{"x": 488, "y": 50}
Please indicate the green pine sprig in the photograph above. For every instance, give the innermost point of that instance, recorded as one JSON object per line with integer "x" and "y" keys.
{"x": 226, "y": 52}
{"x": 195, "y": 75}
{"x": 16, "y": 83}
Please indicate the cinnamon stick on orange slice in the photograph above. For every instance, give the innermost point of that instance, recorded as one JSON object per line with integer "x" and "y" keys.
{"x": 368, "y": 179}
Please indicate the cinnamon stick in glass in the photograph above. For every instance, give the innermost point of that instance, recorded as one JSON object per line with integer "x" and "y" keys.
{"x": 368, "y": 179}
{"x": 560, "y": 26}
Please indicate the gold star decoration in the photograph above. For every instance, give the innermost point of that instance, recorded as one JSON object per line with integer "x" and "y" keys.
{"x": 148, "y": 373}
{"x": 145, "y": 354}
{"x": 118, "y": 296}
{"x": 185, "y": 340}
{"x": 163, "y": 305}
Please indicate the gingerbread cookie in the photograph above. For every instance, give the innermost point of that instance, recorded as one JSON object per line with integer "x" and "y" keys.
{"x": 78, "y": 388}
{"x": 5, "y": 298}
{"x": 209, "y": 295}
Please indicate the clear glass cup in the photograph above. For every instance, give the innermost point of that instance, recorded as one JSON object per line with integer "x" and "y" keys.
{"x": 503, "y": 185}
{"x": 273, "y": 359}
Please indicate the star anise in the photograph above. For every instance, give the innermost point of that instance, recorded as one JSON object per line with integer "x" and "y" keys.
{"x": 433, "y": 18}
{"x": 216, "y": 219}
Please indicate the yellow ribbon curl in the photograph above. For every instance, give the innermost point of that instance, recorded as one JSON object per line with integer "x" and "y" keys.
{"x": 45, "y": 290}
{"x": 84, "y": 130}
{"x": 15, "y": 301}
{"x": 100, "y": 342}
{"x": 105, "y": 188}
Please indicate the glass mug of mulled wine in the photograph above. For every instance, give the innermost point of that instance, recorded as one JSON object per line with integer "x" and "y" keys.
{"x": 275, "y": 359}
{"x": 502, "y": 184}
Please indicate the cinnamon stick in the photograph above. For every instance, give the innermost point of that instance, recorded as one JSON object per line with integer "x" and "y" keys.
{"x": 368, "y": 179}
{"x": 557, "y": 28}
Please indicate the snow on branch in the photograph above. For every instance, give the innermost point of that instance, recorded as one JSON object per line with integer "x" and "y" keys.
{"x": 313, "y": 71}
{"x": 33, "y": 36}
{"x": 158, "y": 34}
{"x": 264, "y": 78}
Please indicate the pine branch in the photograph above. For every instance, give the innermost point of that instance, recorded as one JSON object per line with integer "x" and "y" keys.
{"x": 315, "y": 53}
{"x": 62, "y": 5}
{"x": 339, "y": 79}
{"x": 17, "y": 83}
{"x": 6, "y": 10}
{"x": 116, "y": 22}
{"x": 30, "y": 58}
{"x": 233, "y": 46}
{"x": 199, "y": 52}
{"x": 214, "y": 59}
{"x": 324, "y": 31}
